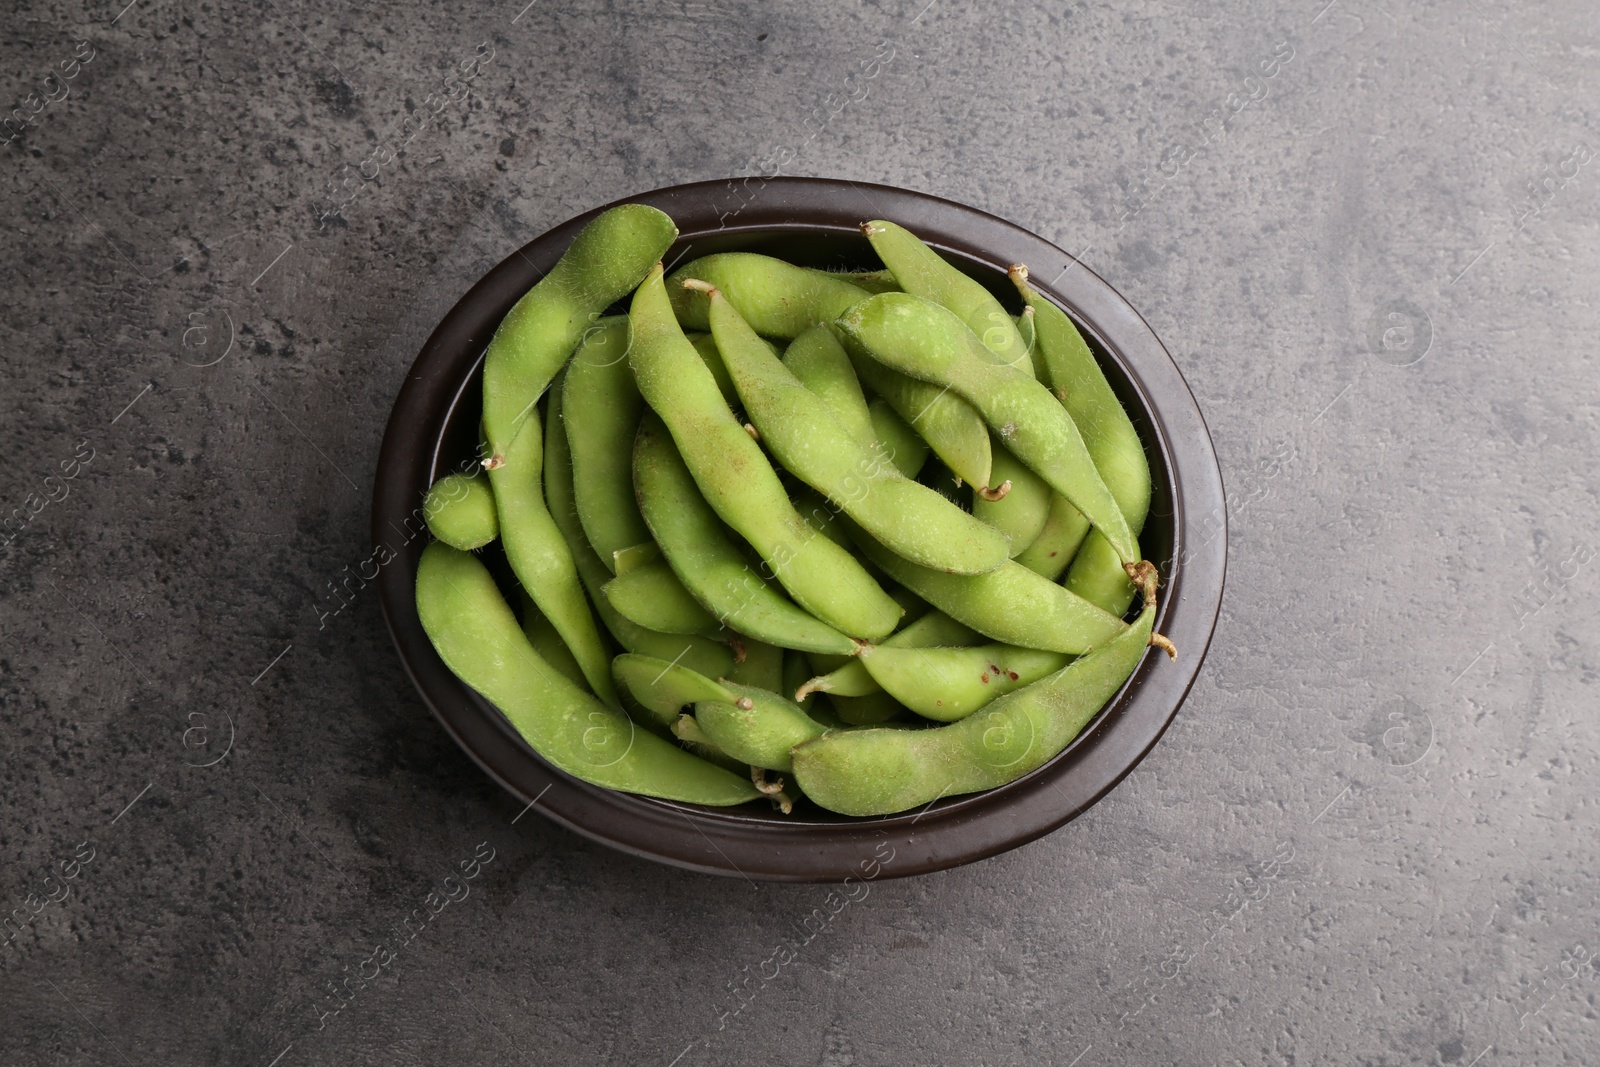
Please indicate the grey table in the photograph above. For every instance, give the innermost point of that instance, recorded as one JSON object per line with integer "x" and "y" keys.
{"x": 1368, "y": 235}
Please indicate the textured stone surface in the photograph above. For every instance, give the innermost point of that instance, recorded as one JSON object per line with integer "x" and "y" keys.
{"x": 1368, "y": 838}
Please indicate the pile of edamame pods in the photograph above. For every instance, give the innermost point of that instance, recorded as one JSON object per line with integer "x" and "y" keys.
{"x": 863, "y": 538}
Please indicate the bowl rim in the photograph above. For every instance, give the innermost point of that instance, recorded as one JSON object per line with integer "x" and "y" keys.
{"x": 734, "y": 842}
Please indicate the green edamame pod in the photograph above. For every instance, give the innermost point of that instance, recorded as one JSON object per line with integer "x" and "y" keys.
{"x": 664, "y": 689}
{"x": 547, "y": 642}
{"x": 757, "y": 727}
{"x": 653, "y": 597}
{"x": 942, "y": 480}
{"x": 460, "y": 511}
{"x": 603, "y": 408}
{"x": 778, "y": 299}
{"x": 869, "y": 709}
{"x": 709, "y": 355}
{"x": 873, "y": 281}
{"x": 933, "y": 630}
{"x": 879, "y": 772}
{"x": 697, "y": 547}
{"x": 1096, "y": 575}
{"x": 738, "y": 481}
{"x": 820, "y": 516}
{"x": 626, "y": 559}
{"x": 1108, "y": 434}
{"x": 797, "y": 427}
{"x": 1076, "y": 377}
{"x": 541, "y": 559}
{"x": 687, "y": 730}
{"x": 760, "y": 666}
{"x": 606, "y": 260}
{"x": 923, "y": 272}
{"x": 1021, "y": 512}
{"x": 909, "y": 602}
{"x": 1009, "y": 604}
{"x": 923, "y": 339}
{"x": 477, "y": 636}
{"x": 1064, "y": 530}
{"x": 952, "y": 428}
{"x": 820, "y": 362}
{"x": 900, "y": 442}
{"x": 711, "y": 658}
{"x": 795, "y": 672}
{"x": 948, "y": 684}
{"x": 1030, "y": 341}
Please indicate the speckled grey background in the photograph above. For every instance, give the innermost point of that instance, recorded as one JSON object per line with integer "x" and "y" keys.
{"x": 1369, "y": 237}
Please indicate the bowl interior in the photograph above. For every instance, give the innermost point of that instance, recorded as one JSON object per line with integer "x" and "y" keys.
{"x": 835, "y": 248}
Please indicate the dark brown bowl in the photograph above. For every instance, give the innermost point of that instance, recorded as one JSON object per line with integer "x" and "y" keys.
{"x": 813, "y": 221}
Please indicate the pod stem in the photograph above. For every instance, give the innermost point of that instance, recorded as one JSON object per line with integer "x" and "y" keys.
{"x": 783, "y": 802}
{"x": 699, "y": 286}
{"x": 998, "y": 492}
{"x": 1158, "y": 641}
{"x": 819, "y": 684}
{"x": 758, "y": 778}
{"x": 1145, "y": 577}
{"x": 1018, "y": 273}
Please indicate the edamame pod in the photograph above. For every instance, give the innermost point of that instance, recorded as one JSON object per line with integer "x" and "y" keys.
{"x": 900, "y": 442}
{"x": 476, "y": 635}
{"x": 1021, "y": 513}
{"x": 948, "y": 684}
{"x": 688, "y": 731}
{"x": 707, "y": 563}
{"x": 797, "y": 427}
{"x": 664, "y": 689}
{"x": 1030, "y": 340}
{"x": 851, "y": 679}
{"x": 626, "y": 559}
{"x": 1010, "y": 604}
{"x": 653, "y": 597}
{"x": 1075, "y": 375}
{"x": 795, "y": 672}
{"x": 820, "y": 362}
{"x": 952, "y": 428}
{"x": 1097, "y": 576}
{"x": 541, "y": 559}
{"x": 711, "y": 658}
{"x": 547, "y": 642}
{"x": 879, "y": 772}
{"x": 778, "y": 299}
{"x": 709, "y": 355}
{"x": 923, "y": 272}
{"x": 1064, "y": 530}
{"x": 738, "y": 481}
{"x": 603, "y": 409}
{"x": 757, "y": 727}
{"x": 603, "y": 264}
{"x": 873, "y": 281}
{"x": 909, "y": 602}
{"x": 820, "y": 516}
{"x": 870, "y": 709}
{"x": 920, "y": 338}
{"x": 760, "y": 666}
{"x": 460, "y": 511}
{"x": 1109, "y": 436}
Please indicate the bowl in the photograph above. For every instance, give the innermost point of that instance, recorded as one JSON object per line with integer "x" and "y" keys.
{"x": 812, "y": 221}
